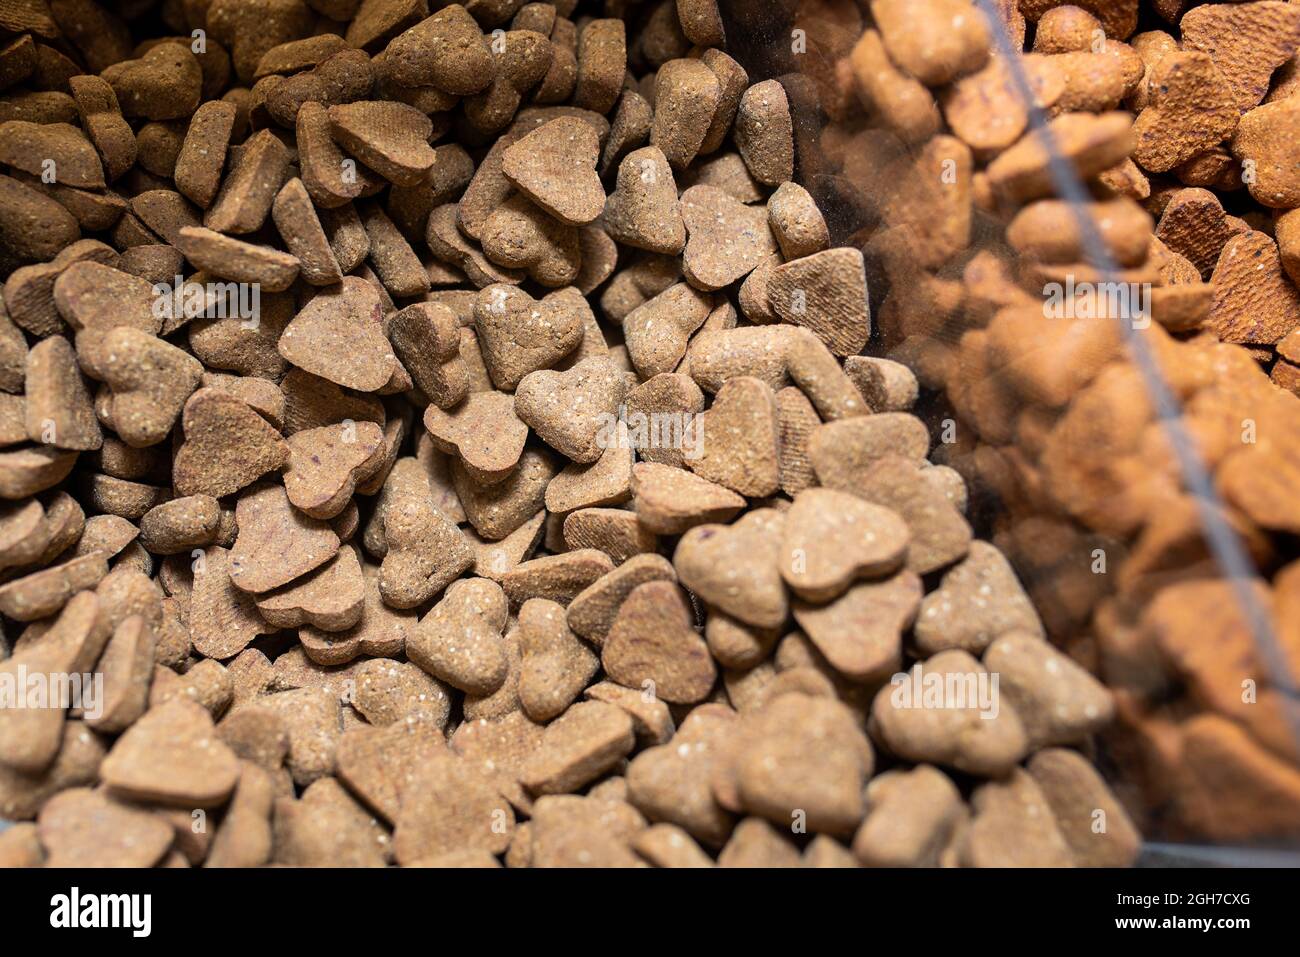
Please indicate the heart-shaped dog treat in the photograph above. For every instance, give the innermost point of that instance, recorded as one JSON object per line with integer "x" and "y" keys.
{"x": 426, "y": 552}
{"x": 519, "y": 334}
{"x": 739, "y": 439}
{"x": 223, "y": 619}
{"x": 833, "y": 537}
{"x": 389, "y": 137}
{"x": 151, "y": 379}
{"x": 85, "y": 828}
{"x": 381, "y": 631}
{"x": 727, "y": 240}
{"x": 326, "y": 464}
{"x": 861, "y": 632}
{"x": 520, "y": 235}
{"x": 939, "y": 533}
{"x": 737, "y": 567}
{"x": 572, "y": 411}
{"x": 483, "y": 431}
{"x": 227, "y": 446}
{"x": 339, "y": 336}
{"x": 555, "y": 665}
{"x": 555, "y": 167}
{"x": 276, "y": 542}
{"x": 657, "y": 332}
{"x": 427, "y": 339}
{"x": 670, "y": 500}
{"x": 979, "y": 599}
{"x": 460, "y": 640}
{"x": 1191, "y": 110}
{"x": 642, "y": 211}
{"x": 331, "y": 598}
{"x": 172, "y": 756}
{"x": 653, "y": 646}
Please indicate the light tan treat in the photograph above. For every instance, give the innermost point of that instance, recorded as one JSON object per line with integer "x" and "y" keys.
{"x": 727, "y": 239}
{"x": 1254, "y": 302}
{"x": 662, "y": 418}
{"x": 519, "y": 235}
{"x": 447, "y": 51}
{"x": 172, "y": 756}
{"x": 555, "y": 167}
{"x": 911, "y": 817}
{"x": 801, "y": 759}
{"x": 84, "y": 828}
{"x": 497, "y": 510}
{"x": 451, "y": 806}
{"x": 576, "y": 748}
{"x": 460, "y": 640}
{"x": 901, "y": 101}
{"x": 797, "y": 222}
{"x": 326, "y": 464}
{"x": 556, "y": 665}
{"x": 495, "y": 560}
{"x": 628, "y": 130}
{"x": 330, "y": 598}
{"x": 764, "y": 133}
{"x": 669, "y": 500}
{"x": 76, "y": 763}
{"x": 935, "y": 41}
{"x": 986, "y": 109}
{"x": 390, "y": 138}
{"x": 19, "y": 844}
{"x": 556, "y": 577}
{"x": 755, "y": 843}
{"x": 642, "y": 211}
{"x": 425, "y": 553}
{"x": 222, "y": 618}
{"x": 206, "y": 684}
{"x": 652, "y": 645}
{"x": 300, "y": 228}
{"x": 276, "y": 543}
{"x": 607, "y": 481}
{"x": 570, "y": 410}
{"x": 602, "y": 63}
{"x": 519, "y": 334}
{"x": 151, "y": 380}
{"x": 976, "y": 732}
{"x": 1048, "y": 231}
{"x": 832, "y": 538}
{"x": 499, "y": 747}
{"x": 247, "y": 192}
{"x": 593, "y": 611}
{"x": 244, "y": 837}
{"x": 737, "y": 568}
{"x": 380, "y": 630}
{"x": 338, "y": 336}
{"x": 327, "y": 828}
{"x": 842, "y": 452}
{"x": 886, "y": 386}
{"x": 571, "y": 831}
{"x": 1190, "y": 110}
{"x": 940, "y": 535}
{"x": 1080, "y": 801}
{"x": 483, "y": 432}
{"x": 827, "y": 293}
{"x": 44, "y": 592}
{"x": 735, "y": 644}
{"x": 651, "y": 719}
{"x": 671, "y": 782}
{"x": 130, "y": 500}
{"x": 861, "y": 632}
{"x": 1090, "y": 143}
{"x": 657, "y": 331}
{"x": 1058, "y": 701}
{"x": 1013, "y": 826}
{"x": 738, "y": 438}
{"x": 58, "y": 410}
{"x": 1247, "y": 43}
{"x": 978, "y": 600}
{"x": 686, "y": 96}
{"x": 227, "y": 446}
{"x": 1265, "y": 138}
{"x": 667, "y": 845}
{"x": 614, "y": 531}
{"x": 381, "y": 765}
{"x": 313, "y": 720}
{"x": 104, "y": 534}
{"x": 823, "y": 851}
{"x": 31, "y": 738}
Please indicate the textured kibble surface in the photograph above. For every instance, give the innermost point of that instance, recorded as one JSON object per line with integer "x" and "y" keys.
{"x": 539, "y": 434}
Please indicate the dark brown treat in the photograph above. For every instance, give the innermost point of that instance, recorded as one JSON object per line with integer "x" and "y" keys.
{"x": 300, "y": 228}
{"x": 687, "y": 94}
{"x": 602, "y": 61}
{"x": 390, "y": 138}
{"x": 203, "y": 154}
{"x": 33, "y": 227}
{"x": 246, "y": 194}
{"x": 164, "y": 84}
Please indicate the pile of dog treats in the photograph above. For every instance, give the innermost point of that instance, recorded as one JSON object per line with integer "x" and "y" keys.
{"x": 447, "y": 433}
{"x": 1182, "y": 119}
